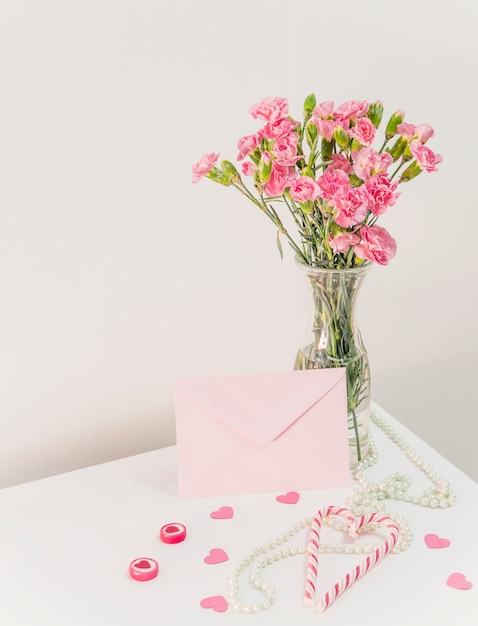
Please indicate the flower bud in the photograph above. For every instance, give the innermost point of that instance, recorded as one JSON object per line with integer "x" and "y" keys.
{"x": 307, "y": 171}
{"x": 327, "y": 148}
{"x": 265, "y": 168}
{"x": 341, "y": 137}
{"x": 407, "y": 155}
{"x": 412, "y": 170}
{"x": 311, "y": 133}
{"x": 375, "y": 113}
{"x": 397, "y": 149}
{"x": 355, "y": 181}
{"x": 255, "y": 156}
{"x": 309, "y": 106}
{"x": 393, "y": 122}
{"x": 307, "y": 207}
{"x": 230, "y": 171}
{"x": 219, "y": 177}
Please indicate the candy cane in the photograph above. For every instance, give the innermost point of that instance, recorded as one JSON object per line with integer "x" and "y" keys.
{"x": 354, "y": 525}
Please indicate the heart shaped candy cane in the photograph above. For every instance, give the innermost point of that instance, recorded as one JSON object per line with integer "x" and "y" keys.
{"x": 354, "y": 525}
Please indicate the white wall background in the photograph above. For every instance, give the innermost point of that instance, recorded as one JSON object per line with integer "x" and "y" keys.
{"x": 118, "y": 275}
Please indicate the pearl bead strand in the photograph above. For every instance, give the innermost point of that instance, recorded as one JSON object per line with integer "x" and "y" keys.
{"x": 369, "y": 497}
{"x": 397, "y": 486}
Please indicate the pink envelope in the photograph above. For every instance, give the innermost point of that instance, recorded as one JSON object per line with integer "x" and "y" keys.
{"x": 283, "y": 431}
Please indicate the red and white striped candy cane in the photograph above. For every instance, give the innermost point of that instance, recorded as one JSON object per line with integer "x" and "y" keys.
{"x": 354, "y": 525}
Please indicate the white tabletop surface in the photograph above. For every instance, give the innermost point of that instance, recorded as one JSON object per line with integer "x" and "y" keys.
{"x": 66, "y": 543}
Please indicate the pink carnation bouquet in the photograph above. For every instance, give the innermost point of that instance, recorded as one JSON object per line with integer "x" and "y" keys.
{"x": 327, "y": 174}
{"x": 335, "y": 186}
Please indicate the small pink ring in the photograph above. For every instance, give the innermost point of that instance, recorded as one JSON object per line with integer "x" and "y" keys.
{"x": 173, "y": 533}
{"x": 143, "y": 569}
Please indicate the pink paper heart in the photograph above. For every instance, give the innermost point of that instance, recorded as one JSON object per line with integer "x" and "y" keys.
{"x": 225, "y": 512}
{"x": 291, "y": 497}
{"x": 216, "y": 555}
{"x": 216, "y": 603}
{"x": 458, "y": 581}
{"x": 434, "y": 541}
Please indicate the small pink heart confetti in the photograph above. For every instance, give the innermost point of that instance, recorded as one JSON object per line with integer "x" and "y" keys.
{"x": 458, "y": 581}
{"x": 225, "y": 512}
{"x": 216, "y": 555}
{"x": 216, "y": 603}
{"x": 434, "y": 541}
{"x": 291, "y": 497}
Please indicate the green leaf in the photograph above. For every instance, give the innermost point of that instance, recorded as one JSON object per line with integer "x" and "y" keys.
{"x": 279, "y": 245}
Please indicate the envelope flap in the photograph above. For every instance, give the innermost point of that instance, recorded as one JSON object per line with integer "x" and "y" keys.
{"x": 261, "y": 406}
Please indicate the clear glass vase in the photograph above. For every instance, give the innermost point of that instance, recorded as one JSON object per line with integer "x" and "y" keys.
{"x": 333, "y": 340}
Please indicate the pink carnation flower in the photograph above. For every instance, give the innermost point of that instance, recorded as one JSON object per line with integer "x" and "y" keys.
{"x": 351, "y": 204}
{"x": 426, "y": 158}
{"x": 381, "y": 193}
{"x": 351, "y": 110}
{"x": 285, "y": 150}
{"x": 330, "y": 181}
{"x": 304, "y": 189}
{"x": 325, "y": 128}
{"x": 339, "y": 162}
{"x": 248, "y": 168}
{"x": 424, "y": 132}
{"x": 281, "y": 177}
{"x": 280, "y": 128}
{"x": 363, "y": 131}
{"x": 270, "y": 109}
{"x": 204, "y": 165}
{"x": 405, "y": 130}
{"x": 324, "y": 109}
{"x": 248, "y": 144}
{"x": 368, "y": 162}
{"x": 341, "y": 243}
{"x": 376, "y": 245}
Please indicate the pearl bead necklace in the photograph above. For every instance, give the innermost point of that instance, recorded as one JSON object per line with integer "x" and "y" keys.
{"x": 270, "y": 552}
{"x": 396, "y": 486}
{"x": 369, "y": 497}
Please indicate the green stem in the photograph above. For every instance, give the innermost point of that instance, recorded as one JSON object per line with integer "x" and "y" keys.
{"x": 357, "y": 439}
{"x": 397, "y": 170}
{"x": 383, "y": 146}
{"x": 245, "y": 192}
{"x": 272, "y": 215}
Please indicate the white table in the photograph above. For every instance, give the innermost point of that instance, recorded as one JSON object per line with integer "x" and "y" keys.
{"x": 66, "y": 543}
